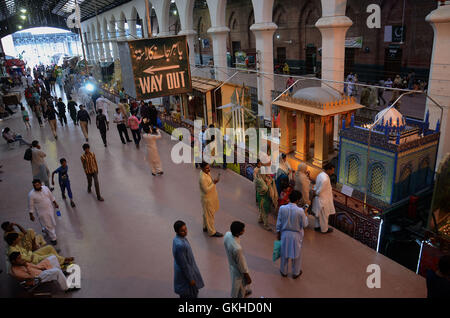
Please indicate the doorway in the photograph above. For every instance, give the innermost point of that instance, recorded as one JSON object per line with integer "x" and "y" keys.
{"x": 235, "y": 47}
{"x": 311, "y": 57}
{"x": 281, "y": 55}
{"x": 349, "y": 60}
{"x": 392, "y": 62}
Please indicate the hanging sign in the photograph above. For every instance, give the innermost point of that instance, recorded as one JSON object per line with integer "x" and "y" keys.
{"x": 160, "y": 66}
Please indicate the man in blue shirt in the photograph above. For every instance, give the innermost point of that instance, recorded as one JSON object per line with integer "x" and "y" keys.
{"x": 187, "y": 278}
{"x": 64, "y": 182}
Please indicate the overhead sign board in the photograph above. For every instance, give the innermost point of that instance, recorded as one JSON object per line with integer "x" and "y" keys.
{"x": 160, "y": 66}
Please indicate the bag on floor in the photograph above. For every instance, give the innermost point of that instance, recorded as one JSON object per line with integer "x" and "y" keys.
{"x": 28, "y": 154}
{"x": 276, "y": 250}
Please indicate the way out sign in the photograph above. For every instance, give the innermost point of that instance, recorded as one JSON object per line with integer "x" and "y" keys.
{"x": 160, "y": 66}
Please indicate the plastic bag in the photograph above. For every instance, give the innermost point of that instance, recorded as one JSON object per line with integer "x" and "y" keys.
{"x": 276, "y": 250}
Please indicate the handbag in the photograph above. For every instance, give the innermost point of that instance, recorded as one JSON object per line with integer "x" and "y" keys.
{"x": 276, "y": 250}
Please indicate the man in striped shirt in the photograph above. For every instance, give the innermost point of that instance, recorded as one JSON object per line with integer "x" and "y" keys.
{"x": 91, "y": 169}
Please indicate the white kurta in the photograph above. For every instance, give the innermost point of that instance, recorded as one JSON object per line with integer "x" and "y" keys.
{"x": 42, "y": 203}
{"x": 238, "y": 264}
{"x": 152, "y": 150}
{"x": 323, "y": 205}
{"x": 102, "y": 103}
{"x": 39, "y": 167}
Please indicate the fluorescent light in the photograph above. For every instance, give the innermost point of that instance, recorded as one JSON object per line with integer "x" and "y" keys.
{"x": 19, "y": 27}
{"x": 23, "y": 10}
{"x": 23, "y": 17}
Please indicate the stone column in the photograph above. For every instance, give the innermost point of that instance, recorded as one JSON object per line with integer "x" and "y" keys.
{"x": 286, "y": 130}
{"x": 132, "y": 28}
{"x": 302, "y": 150}
{"x": 87, "y": 46}
{"x": 113, "y": 39}
{"x": 190, "y": 38}
{"x": 320, "y": 142}
{"x": 439, "y": 82}
{"x": 219, "y": 36}
{"x": 333, "y": 26}
{"x": 95, "y": 50}
{"x": 330, "y": 133}
{"x": 264, "y": 48}
{"x": 107, "y": 49}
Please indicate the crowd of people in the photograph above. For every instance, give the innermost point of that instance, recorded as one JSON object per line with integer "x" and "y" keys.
{"x": 291, "y": 195}
{"x": 31, "y": 260}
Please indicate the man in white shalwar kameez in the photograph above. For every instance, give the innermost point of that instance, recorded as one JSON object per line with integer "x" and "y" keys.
{"x": 290, "y": 224}
{"x": 103, "y": 103}
{"x": 150, "y": 137}
{"x": 236, "y": 259}
{"x": 323, "y": 205}
{"x": 42, "y": 201}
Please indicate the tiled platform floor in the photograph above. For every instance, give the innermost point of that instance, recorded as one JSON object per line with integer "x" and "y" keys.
{"x": 123, "y": 245}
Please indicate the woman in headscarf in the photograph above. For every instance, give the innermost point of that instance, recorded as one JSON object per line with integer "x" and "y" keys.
{"x": 266, "y": 196}
{"x": 303, "y": 183}
{"x": 284, "y": 172}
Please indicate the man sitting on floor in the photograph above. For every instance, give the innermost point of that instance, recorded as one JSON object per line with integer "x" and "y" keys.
{"x": 36, "y": 256}
{"x": 46, "y": 271}
{"x": 11, "y": 137}
{"x": 28, "y": 239}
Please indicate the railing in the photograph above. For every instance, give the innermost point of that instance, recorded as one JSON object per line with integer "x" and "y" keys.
{"x": 355, "y": 204}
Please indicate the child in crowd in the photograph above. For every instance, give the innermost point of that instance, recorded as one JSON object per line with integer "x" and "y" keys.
{"x": 25, "y": 117}
{"x": 64, "y": 181}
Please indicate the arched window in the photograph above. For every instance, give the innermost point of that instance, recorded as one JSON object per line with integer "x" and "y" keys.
{"x": 405, "y": 182}
{"x": 422, "y": 176}
{"x": 377, "y": 179}
{"x": 353, "y": 170}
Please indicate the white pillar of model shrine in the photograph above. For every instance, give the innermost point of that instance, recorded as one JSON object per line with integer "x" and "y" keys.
{"x": 439, "y": 82}
{"x": 264, "y": 29}
{"x": 219, "y": 33}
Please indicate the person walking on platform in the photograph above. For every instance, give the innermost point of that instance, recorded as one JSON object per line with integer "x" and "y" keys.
{"x": 91, "y": 169}
{"x": 83, "y": 118}
{"x": 150, "y": 137}
{"x": 120, "y": 120}
{"x": 102, "y": 125}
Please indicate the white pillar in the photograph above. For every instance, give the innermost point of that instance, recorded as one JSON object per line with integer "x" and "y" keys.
{"x": 333, "y": 25}
{"x": 87, "y": 46}
{"x": 190, "y": 38}
{"x": 264, "y": 29}
{"x": 113, "y": 39}
{"x": 264, "y": 48}
{"x": 219, "y": 38}
{"x": 162, "y": 8}
{"x": 439, "y": 82}
{"x": 132, "y": 28}
{"x": 107, "y": 50}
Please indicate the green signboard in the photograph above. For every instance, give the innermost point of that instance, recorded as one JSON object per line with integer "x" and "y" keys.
{"x": 160, "y": 66}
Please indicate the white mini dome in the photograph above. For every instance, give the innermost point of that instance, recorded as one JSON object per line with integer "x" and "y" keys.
{"x": 387, "y": 114}
{"x": 317, "y": 94}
